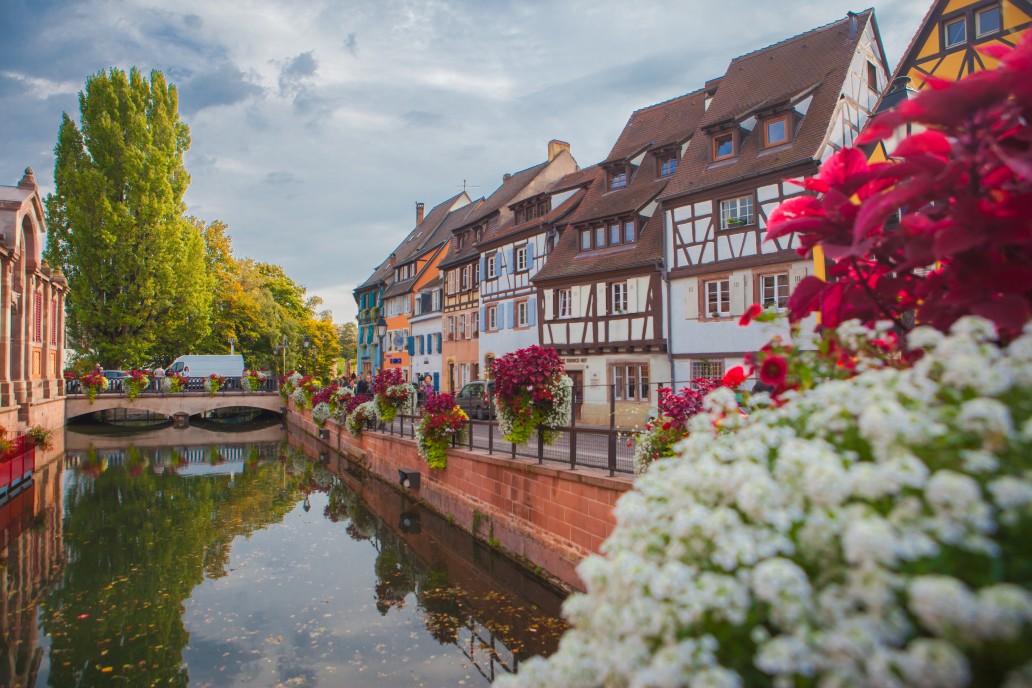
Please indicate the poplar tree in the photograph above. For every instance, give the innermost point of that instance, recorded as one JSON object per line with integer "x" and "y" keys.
{"x": 138, "y": 286}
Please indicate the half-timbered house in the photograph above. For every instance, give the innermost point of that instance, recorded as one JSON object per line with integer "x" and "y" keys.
{"x": 774, "y": 116}
{"x": 511, "y": 254}
{"x": 461, "y": 269}
{"x": 427, "y": 337}
{"x": 600, "y": 296}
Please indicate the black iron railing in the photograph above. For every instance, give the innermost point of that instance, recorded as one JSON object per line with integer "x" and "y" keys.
{"x": 193, "y": 384}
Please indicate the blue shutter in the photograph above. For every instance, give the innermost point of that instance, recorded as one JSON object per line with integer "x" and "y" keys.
{"x": 508, "y": 314}
{"x": 510, "y": 265}
{"x": 483, "y": 319}
{"x": 483, "y": 268}
{"x": 437, "y": 381}
{"x": 439, "y": 336}
{"x": 411, "y": 346}
{"x": 420, "y": 341}
{"x": 532, "y": 311}
{"x": 530, "y": 256}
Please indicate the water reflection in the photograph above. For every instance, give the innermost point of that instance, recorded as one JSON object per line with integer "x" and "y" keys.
{"x": 242, "y": 562}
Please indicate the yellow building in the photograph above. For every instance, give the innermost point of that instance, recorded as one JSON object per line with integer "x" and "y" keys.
{"x": 945, "y": 43}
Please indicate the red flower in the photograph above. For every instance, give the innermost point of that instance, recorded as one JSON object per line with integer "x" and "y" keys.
{"x": 749, "y": 314}
{"x": 733, "y": 377}
{"x": 774, "y": 370}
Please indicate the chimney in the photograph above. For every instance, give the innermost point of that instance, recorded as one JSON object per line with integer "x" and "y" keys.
{"x": 419, "y": 212}
{"x": 555, "y": 146}
{"x": 28, "y": 181}
{"x": 900, "y": 83}
{"x": 854, "y": 23}
{"x": 394, "y": 259}
{"x": 506, "y": 177}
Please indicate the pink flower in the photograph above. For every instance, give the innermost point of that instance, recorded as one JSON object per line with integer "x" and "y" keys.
{"x": 774, "y": 370}
{"x": 749, "y": 314}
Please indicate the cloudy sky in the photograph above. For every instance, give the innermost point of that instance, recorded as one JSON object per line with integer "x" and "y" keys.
{"x": 317, "y": 125}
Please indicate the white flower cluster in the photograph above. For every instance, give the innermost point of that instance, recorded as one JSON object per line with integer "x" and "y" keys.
{"x": 210, "y": 386}
{"x": 299, "y": 397}
{"x": 868, "y": 532}
{"x": 340, "y": 400}
{"x": 561, "y": 413}
{"x": 321, "y": 413}
{"x": 166, "y": 385}
{"x": 365, "y": 415}
{"x": 253, "y": 384}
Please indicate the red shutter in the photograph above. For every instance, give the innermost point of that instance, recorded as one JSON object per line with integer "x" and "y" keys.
{"x": 39, "y": 318}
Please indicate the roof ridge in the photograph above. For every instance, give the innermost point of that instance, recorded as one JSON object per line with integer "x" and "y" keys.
{"x": 666, "y": 102}
{"x": 799, "y": 36}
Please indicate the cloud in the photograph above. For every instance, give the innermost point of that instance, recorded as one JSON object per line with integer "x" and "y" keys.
{"x": 295, "y": 71}
{"x": 421, "y": 118}
{"x": 281, "y": 178}
{"x": 351, "y": 43}
{"x": 225, "y": 84}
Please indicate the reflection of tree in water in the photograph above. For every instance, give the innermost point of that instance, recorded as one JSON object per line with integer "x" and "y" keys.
{"x": 395, "y": 574}
{"x": 137, "y": 545}
{"x": 440, "y": 604}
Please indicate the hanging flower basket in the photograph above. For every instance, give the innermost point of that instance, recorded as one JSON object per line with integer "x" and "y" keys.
{"x": 443, "y": 422}
{"x": 136, "y": 383}
{"x": 213, "y": 383}
{"x": 392, "y": 393}
{"x": 532, "y": 390}
{"x": 93, "y": 383}
{"x": 253, "y": 380}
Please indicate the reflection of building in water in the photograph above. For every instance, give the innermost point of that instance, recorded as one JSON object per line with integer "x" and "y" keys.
{"x": 33, "y": 556}
{"x": 234, "y": 456}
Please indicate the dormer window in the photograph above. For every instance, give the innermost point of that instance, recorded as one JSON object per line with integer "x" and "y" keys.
{"x": 775, "y": 131}
{"x": 618, "y": 180}
{"x": 479, "y": 234}
{"x": 461, "y": 241}
{"x": 724, "y": 146}
{"x": 668, "y": 165}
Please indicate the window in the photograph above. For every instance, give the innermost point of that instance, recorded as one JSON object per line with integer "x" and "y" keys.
{"x": 585, "y": 239}
{"x": 711, "y": 370}
{"x": 565, "y": 309}
{"x": 462, "y": 241}
{"x": 474, "y": 322}
{"x": 490, "y": 262}
{"x": 521, "y": 259}
{"x": 492, "y": 318}
{"x": 619, "y": 180}
{"x": 476, "y": 273}
{"x": 614, "y": 234}
{"x": 451, "y": 328}
{"x": 600, "y": 237}
{"x": 668, "y": 167}
{"x": 718, "y": 299}
{"x": 479, "y": 234}
{"x": 462, "y": 326}
{"x": 619, "y": 297}
{"x": 872, "y": 76}
{"x": 629, "y": 233}
{"x": 522, "y": 314}
{"x": 631, "y": 381}
{"x": 737, "y": 212}
{"x": 723, "y": 146}
{"x": 775, "y": 131}
{"x": 955, "y": 32}
{"x": 774, "y": 290}
{"x": 988, "y": 21}
{"x": 435, "y": 300}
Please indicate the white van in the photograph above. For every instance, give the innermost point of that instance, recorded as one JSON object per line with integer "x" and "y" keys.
{"x": 203, "y": 366}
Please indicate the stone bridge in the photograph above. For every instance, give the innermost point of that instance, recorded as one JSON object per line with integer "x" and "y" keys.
{"x": 190, "y": 403}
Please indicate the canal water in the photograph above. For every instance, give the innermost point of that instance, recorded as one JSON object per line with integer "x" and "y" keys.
{"x": 193, "y": 557}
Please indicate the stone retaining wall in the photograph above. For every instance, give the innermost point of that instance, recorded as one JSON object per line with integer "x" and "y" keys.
{"x": 543, "y": 516}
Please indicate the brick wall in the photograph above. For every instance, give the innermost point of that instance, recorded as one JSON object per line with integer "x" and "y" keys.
{"x": 542, "y": 515}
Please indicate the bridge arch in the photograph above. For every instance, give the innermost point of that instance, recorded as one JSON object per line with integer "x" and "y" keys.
{"x": 171, "y": 404}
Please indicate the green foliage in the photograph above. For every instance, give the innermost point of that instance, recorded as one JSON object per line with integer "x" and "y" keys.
{"x": 347, "y": 336}
{"x": 135, "y": 268}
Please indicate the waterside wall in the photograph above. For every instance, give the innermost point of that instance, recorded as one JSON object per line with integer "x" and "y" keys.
{"x": 545, "y": 517}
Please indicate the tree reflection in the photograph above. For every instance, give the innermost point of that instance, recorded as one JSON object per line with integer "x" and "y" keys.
{"x": 138, "y": 542}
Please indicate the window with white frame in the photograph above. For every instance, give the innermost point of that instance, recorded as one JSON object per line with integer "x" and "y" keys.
{"x": 451, "y": 328}
{"x": 490, "y": 262}
{"x": 987, "y": 21}
{"x": 522, "y": 314}
{"x": 476, "y": 274}
{"x": 565, "y": 306}
{"x": 619, "y": 297}
{"x": 492, "y": 318}
{"x": 718, "y": 298}
{"x": 435, "y": 300}
{"x": 464, "y": 281}
{"x": 737, "y": 212}
{"x": 710, "y": 370}
{"x": 955, "y": 32}
{"x": 774, "y": 290}
{"x": 462, "y": 326}
{"x": 474, "y": 324}
{"x": 521, "y": 258}
{"x": 631, "y": 381}
{"x": 585, "y": 239}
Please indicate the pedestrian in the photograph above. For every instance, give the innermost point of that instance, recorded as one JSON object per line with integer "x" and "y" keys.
{"x": 186, "y": 371}
{"x": 159, "y": 379}
{"x": 363, "y": 386}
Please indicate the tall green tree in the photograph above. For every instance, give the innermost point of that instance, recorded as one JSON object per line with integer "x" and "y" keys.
{"x": 138, "y": 287}
{"x": 347, "y": 335}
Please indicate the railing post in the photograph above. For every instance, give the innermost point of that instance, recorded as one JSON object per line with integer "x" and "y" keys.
{"x": 541, "y": 444}
{"x": 573, "y": 440}
{"x": 490, "y": 436}
{"x": 612, "y": 430}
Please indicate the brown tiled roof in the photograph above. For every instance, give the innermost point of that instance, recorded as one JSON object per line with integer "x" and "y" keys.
{"x": 658, "y": 125}
{"x": 672, "y": 120}
{"x": 567, "y": 261}
{"x": 502, "y": 197}
{"x": 813, "y": 63}
{"x": 509, "y": 228}
{"x": 414, "y": 241}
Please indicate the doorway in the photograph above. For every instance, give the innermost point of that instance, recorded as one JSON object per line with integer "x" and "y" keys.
{"x": 578, "y": 391}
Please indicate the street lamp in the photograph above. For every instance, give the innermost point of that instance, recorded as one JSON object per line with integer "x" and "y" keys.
{"x": 232, "y": 343}
{"x": 283, "y": 348}
{"x": 381, "y": 332}
{"x": 307, "y": 345}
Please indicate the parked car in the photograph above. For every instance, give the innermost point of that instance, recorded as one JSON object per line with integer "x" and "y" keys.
{"x": 114, "y": 378}
{"x": 203, "y": 366}
{"x": 477, "y": 399}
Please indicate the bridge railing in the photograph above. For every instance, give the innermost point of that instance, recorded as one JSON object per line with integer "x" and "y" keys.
{"x": 231, "y": 385}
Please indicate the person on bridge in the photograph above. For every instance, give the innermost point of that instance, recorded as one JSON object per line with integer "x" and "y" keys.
{"x": 159, "y": 379}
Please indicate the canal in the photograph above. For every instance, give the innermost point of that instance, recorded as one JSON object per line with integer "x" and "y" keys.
{"x": 209, "y": 558}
